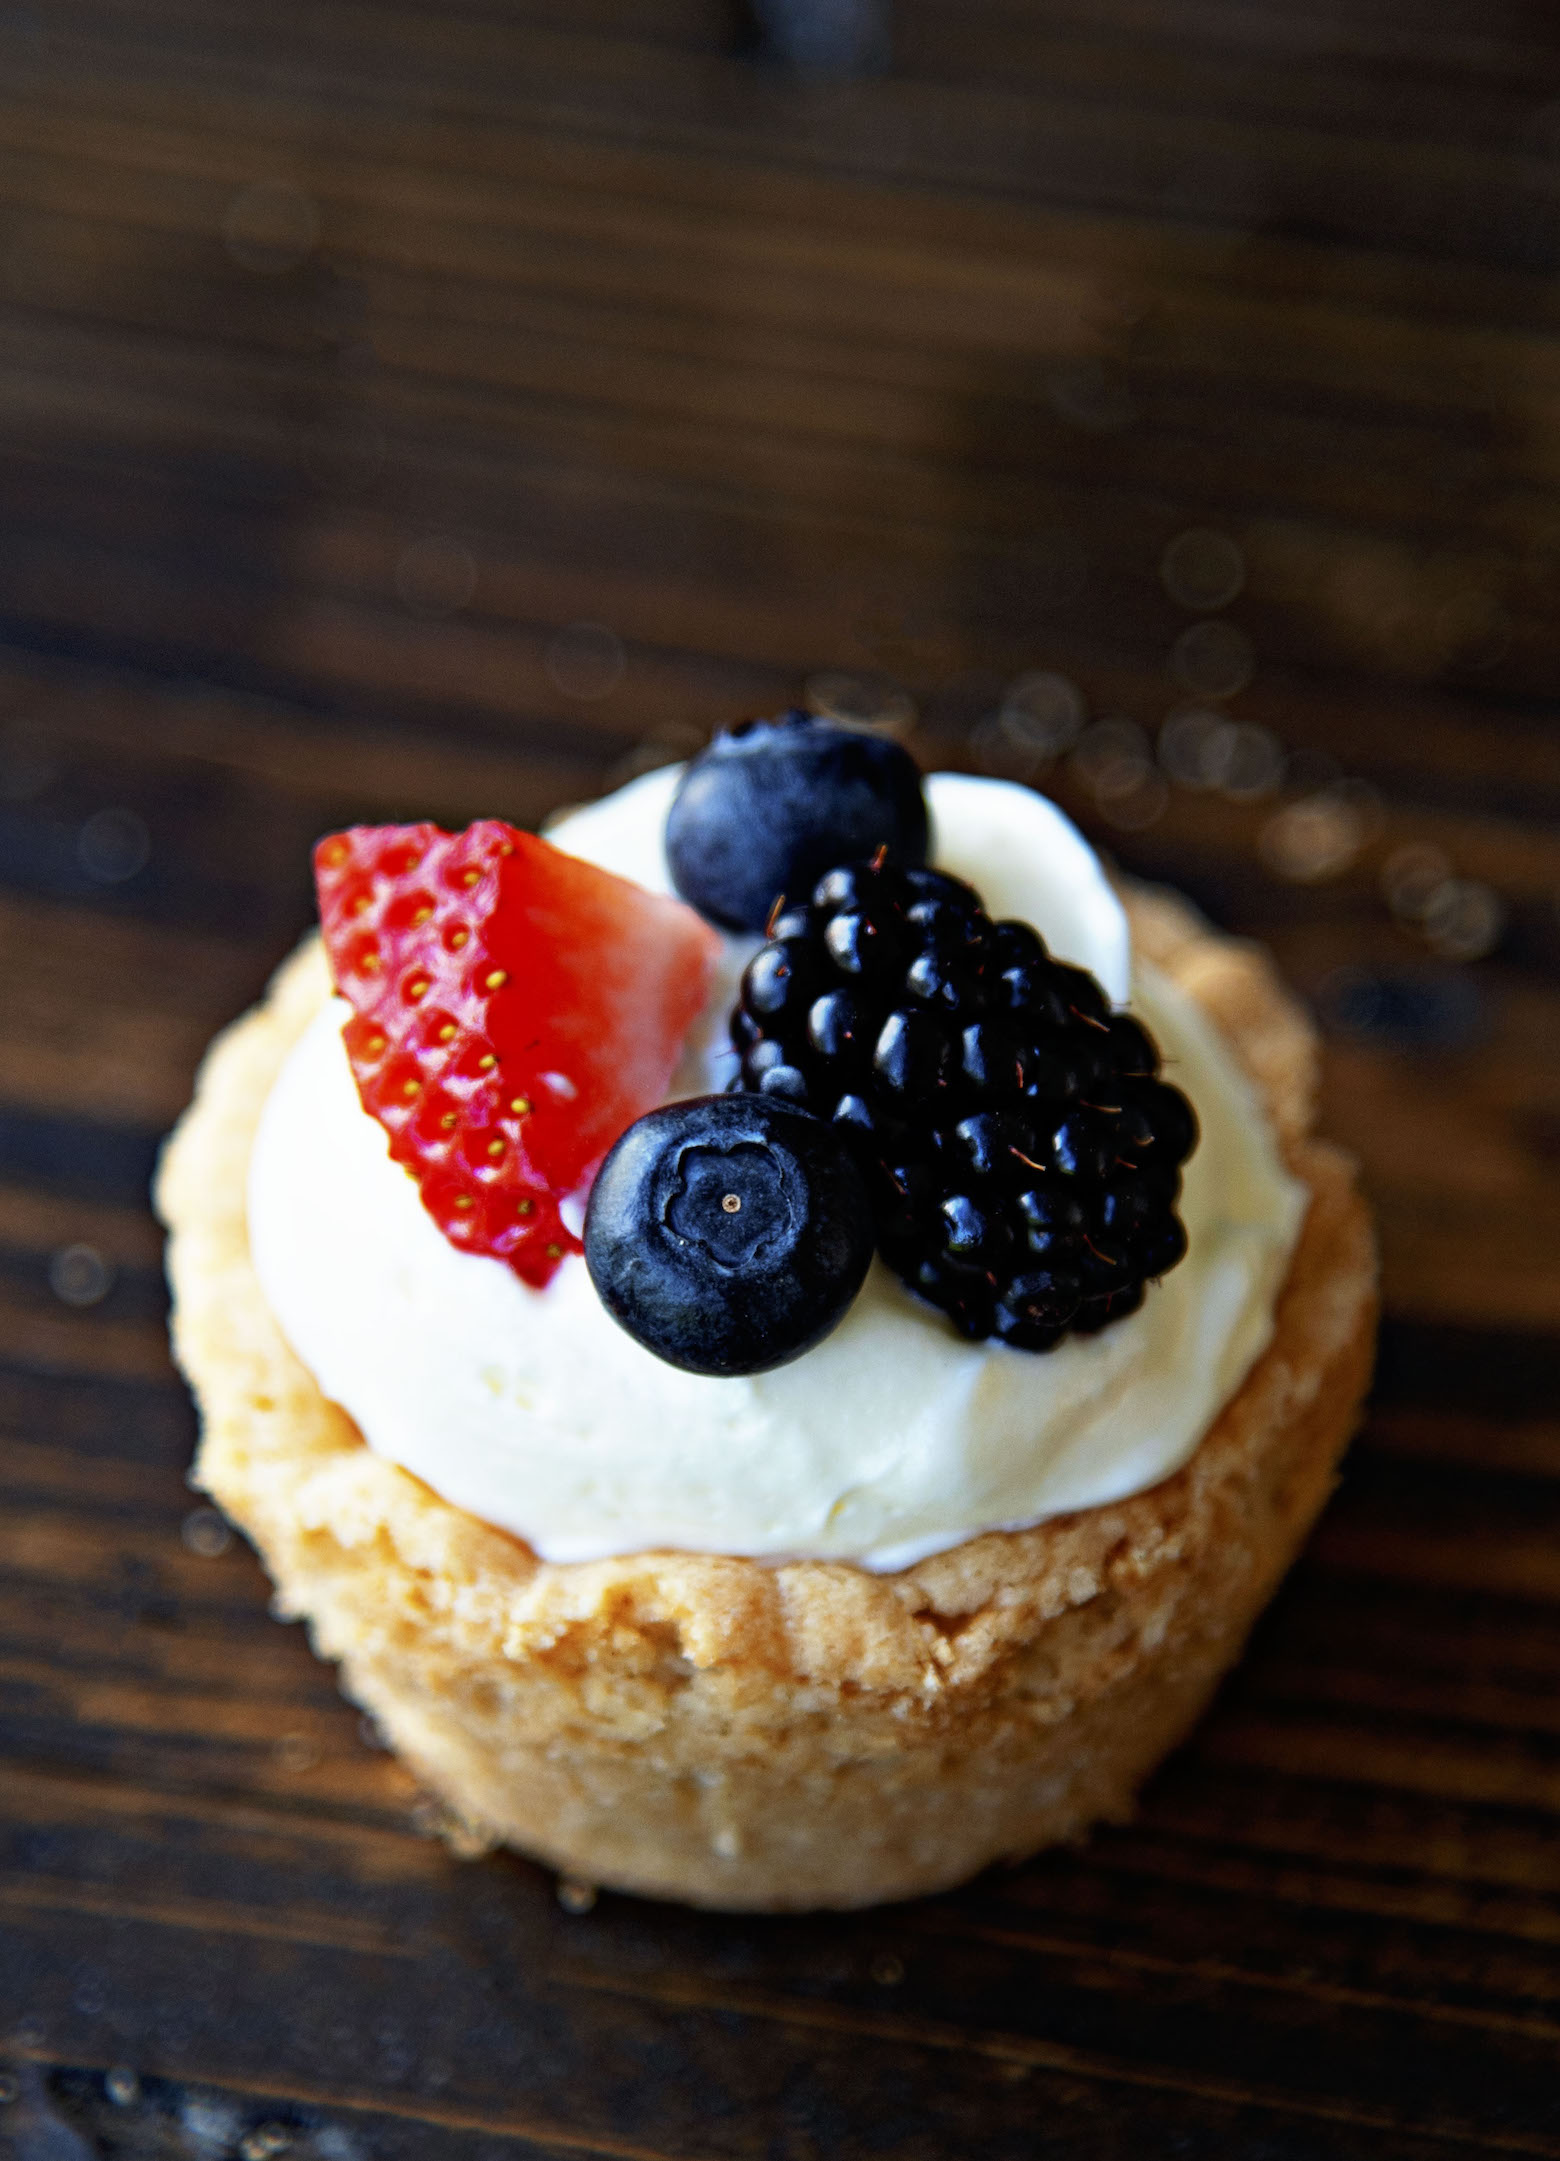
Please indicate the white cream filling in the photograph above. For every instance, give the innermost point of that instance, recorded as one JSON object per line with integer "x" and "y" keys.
{"x": 894, "y": 1438}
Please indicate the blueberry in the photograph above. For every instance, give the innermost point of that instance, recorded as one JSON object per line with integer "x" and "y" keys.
{"x": 773, "y": 804}
{"x": 728, "y": 1234}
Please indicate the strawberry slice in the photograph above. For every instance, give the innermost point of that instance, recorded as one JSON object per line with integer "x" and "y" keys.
{"x": 513, "y": 1011}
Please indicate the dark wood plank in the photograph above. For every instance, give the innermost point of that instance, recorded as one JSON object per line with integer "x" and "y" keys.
{"x": 596, "y": 318}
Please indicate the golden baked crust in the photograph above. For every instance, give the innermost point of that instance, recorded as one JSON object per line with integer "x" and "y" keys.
{"x": 738, "y": 1734}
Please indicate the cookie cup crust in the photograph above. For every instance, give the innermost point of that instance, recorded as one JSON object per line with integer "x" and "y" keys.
{"x": 739, "y": 1734}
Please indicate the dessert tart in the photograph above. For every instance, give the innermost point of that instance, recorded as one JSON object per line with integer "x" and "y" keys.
{"x": 771, "y": 1401}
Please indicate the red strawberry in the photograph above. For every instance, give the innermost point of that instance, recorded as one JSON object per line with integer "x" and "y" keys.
{"x": 514, "y": 1011}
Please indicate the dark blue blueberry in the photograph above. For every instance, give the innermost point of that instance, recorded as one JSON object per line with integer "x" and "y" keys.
{"x": 728, "y": 1234}
{"x": 773, "y": 804}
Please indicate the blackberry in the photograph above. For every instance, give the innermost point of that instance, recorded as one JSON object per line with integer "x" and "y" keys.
{"x": 1022, "y": 1154}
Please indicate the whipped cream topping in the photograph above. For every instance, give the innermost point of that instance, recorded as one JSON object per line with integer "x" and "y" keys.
{"x": 891, "y": 1440}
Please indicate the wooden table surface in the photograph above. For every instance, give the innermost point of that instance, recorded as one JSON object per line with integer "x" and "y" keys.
{"x": 441, "y": 407}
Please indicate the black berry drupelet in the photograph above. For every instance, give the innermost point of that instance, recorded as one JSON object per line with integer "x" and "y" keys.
{"x": 1022, "y": 1154}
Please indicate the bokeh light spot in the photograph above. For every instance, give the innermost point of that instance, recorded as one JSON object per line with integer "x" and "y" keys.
{"x": 1202, "y": 569}
{"x": 113, "y": 846}
{"x": 206, "y": 1533}
{"x": 586, "y": 662}
{"x": 1464, "y": 919}
{"x": 1410, "y": 876}
{"x": 1214, "y": 659}
{"x": 1041, "y": 716}
{"x": 80, "y": 1276}
{"x": 1314, "y": 839}
{"x": 861, "y": 701}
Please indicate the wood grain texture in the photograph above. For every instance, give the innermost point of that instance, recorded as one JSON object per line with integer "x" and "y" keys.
{"x": 352, "y": 353}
